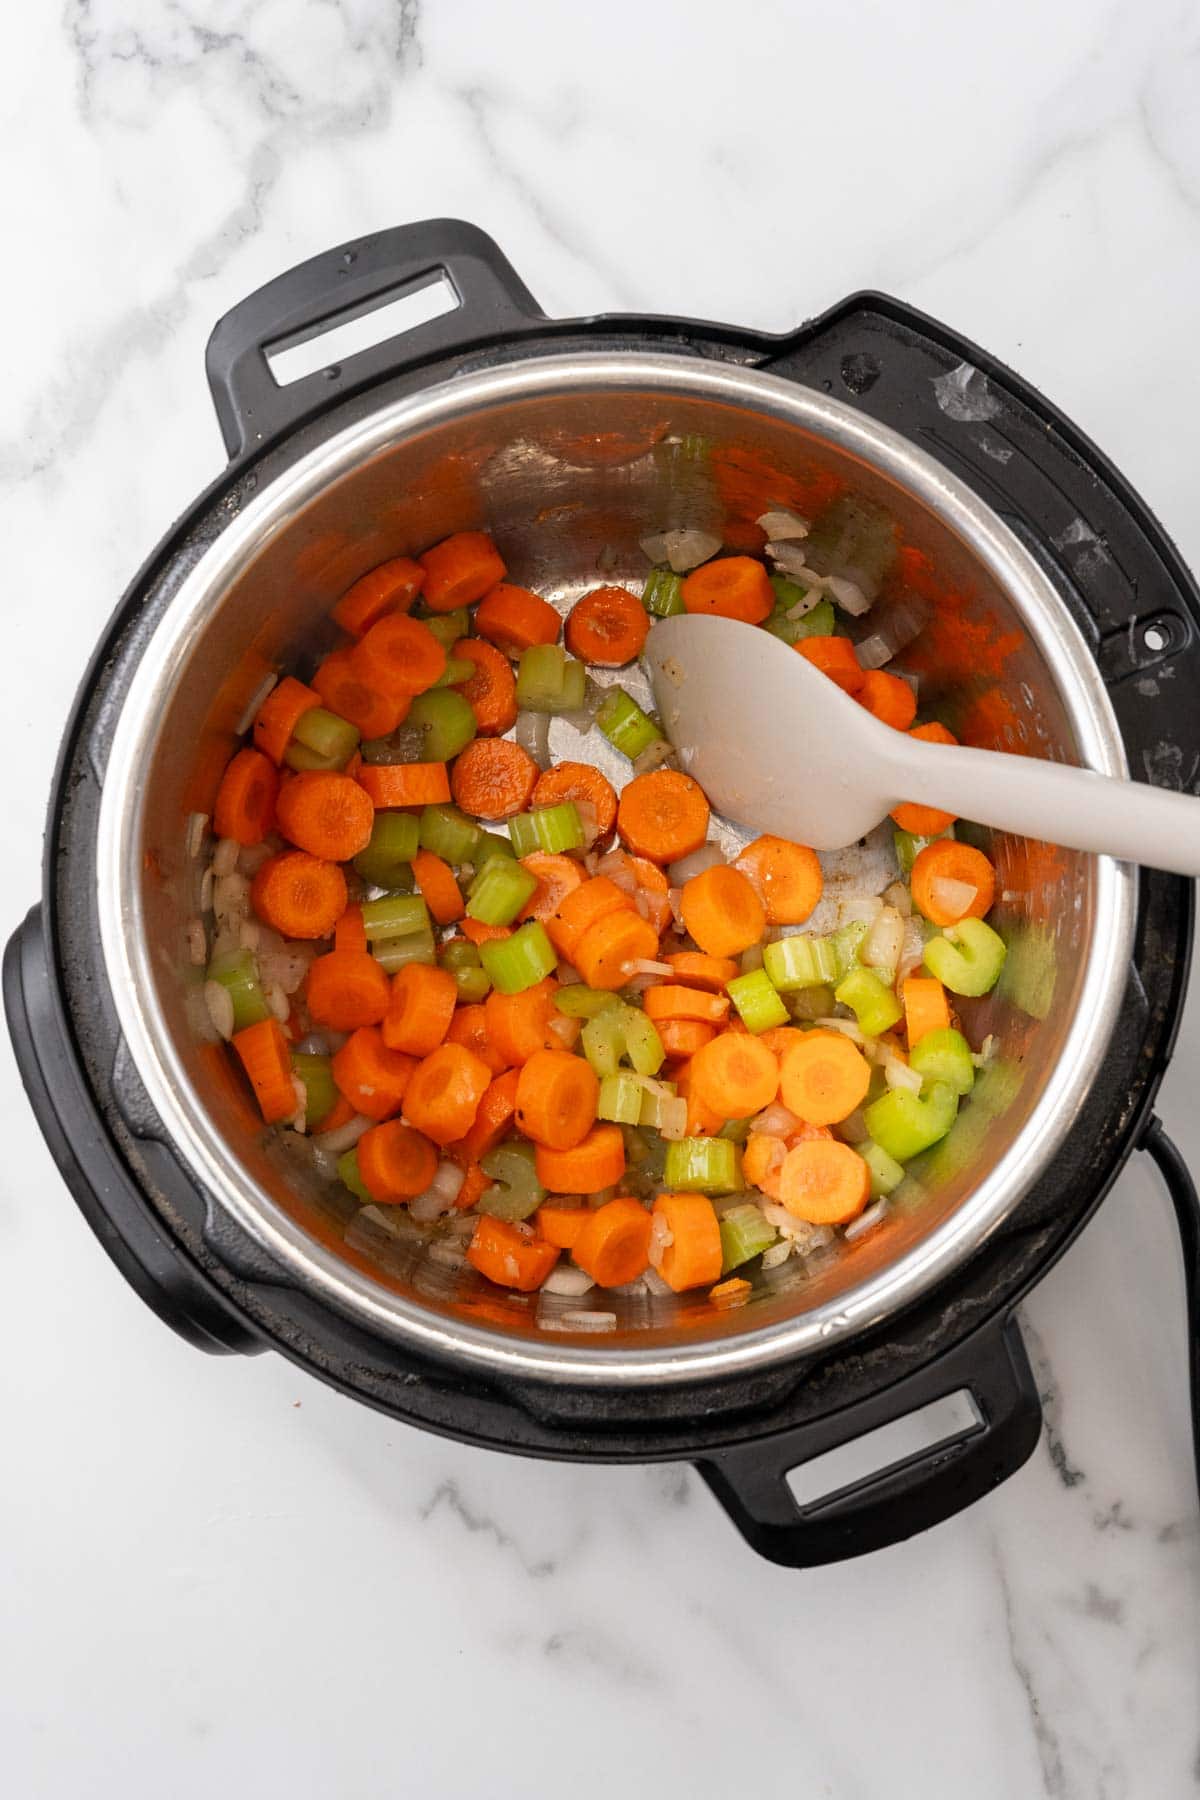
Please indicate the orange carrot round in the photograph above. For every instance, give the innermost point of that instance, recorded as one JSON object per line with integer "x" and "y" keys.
{"x": 494, "y": 1117}
{"x": 519, "y": 1024}
{"x": 491, "y": 692}
{"x": 263, "y": 1052}
{"x": 683, "y": 1037}
{"x": 346, "y": 989}
{"x": 824, "y": 1181}
{"x": 925, "y": 821}
{"x": 722, "y": 911}
{"x": 786, "y": 876}
{"x": 561, "y": 1225}
{"x": 614, "y": 1245}
{"x": 420, "y": 1009}
{"x": 371, "y": 1076}
{"x": 279, "y": 715}
{"x": 298, "y": 895}
{"x": 514, "y": 619}
{"x": 762, "y": 1161}
{"x": 925, "y": 1007}
{"x": 460, "y": 570}
{"x": 557, "y": 1094}
{"x": 584, "y": 786}
{"x": 670, "y": 1000}
{"x": 395, "y": 785}
{"x": 733, "y": 587}
{"x": 438, "y": 888}
{"x": 391, "y": 587}
{"x": 557, "y": 876}
{"x": 494, "y": 778}
{"x": 580, "y": 909}
{"x": 694, "y": 969}
{"x": 605, "y": 954}
{"x": 509, "y": 1255}
{"x": 469, "y": 1028}
{"x": 693, "y": 1256}
{"x": 596, "y": 1162}
{"x": 948, "y": 860}
{"x": 327, "y": 814}
{"x": 375, "y": 715}
{"x": 245, "y": 805}
{"x": 835, "y": 657}
{"x": 890, "y": 699}
{"x": 444, "y": 1093}
{"x": 702, "y": 1119}
{"x": 823, "y": 1077}
{"x": 663, "y": 816}
{"x": 396, "y": 1163}
{"x": 607, "y": 627}
{"x": 735, "y": 1075}
{"x": 399, "y": 656}
{"x": 475, "y": 1185}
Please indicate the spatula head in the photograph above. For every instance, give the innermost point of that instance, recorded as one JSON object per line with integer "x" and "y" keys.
{"x": 775, "y": 744}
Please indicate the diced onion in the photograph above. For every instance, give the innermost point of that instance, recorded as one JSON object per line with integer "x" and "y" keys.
{"x": 675, "y": 902}
{"x": 847, "y": 1027}
{"x": 225, "y": 857}
{"x": 912, "y": 950}
{"x": 533, "y": 734}
{"x": 197, "y": 942}
{"x": 986, "y": 1052}
{"x": 684, "y": 549}
{"x": 645, "y": 965}
{"x": 219, "y": 1002}
{"x": 207, "y": 883}
{"x": 806, "y": 604}
{"x": 231, "y": 898}
{"x": 249, "y": 934}
{"x": 790, "y": 558}
{"x": 619, "y": 869}
{"x": 897, "y": 1074}
{"x": 655, "y": 1284}
{"x": 196, "y": 826}
{"x": 848, "y": 595}
{"x": 854, "y": 1127}
{"x": 673, "y": 1119}
{"x": 783, "y": 524}
{"x": 883, "y": 943}
{"x": 661, "y": 1239}
{"x": 898, "y": 896}
{"x": 563, "y": 1028}
{"x": 277, "y": 1000}
{"x": 253, "y": 856}
{"x": 695, "y": 863}
{"x": 866, "y": 1221}
{"x": 299, "y": 1120}
{"x": 250, "y": 711}
{"x": 954, "y": 898}
{"x": 895, "y": 629}
{"x": 776, "y": 1120}
{"x": 285, "y": 967}
{"x": 446, "y": 1254}
{"x": 855, "y": 908}
{"x": 776, "y": 1254}
{"x": 655, "y": 756}
{"x": 336, "y": 1143}
{"x": 572, "y": 1283}
{"x": 589, "y": 820}
{"x": 440, "y": 1195}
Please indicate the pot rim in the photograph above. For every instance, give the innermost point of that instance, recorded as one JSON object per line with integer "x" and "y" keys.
{"x": 126, "y": 952}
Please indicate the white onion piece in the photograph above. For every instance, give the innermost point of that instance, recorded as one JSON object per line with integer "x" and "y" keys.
{"x": 854, "y": 1127}
{"x": 848, "y": 595}
{"x": 661, "y": 1239}
{"x": 564, "y": 1029}
{"x": 673, "y": 1119}
{"x": 866, "y": 1221}
{"x": 231, "y": 898}
{"x": 567, "y": 975}
{"x": 571, "y": 1283}
{"x": 197, "y": 942}
{"x": 783, "y": 524}
{"x": 219, "y": 1002}
{"x": 695, "y": 863}
{"x": 252, "y": 857}
{"x": 912, "y": 950}
{"x": 986, "y": 1052}
{"x": 197, "y": 824}
{"x": 953, "y": 897}
{"x": 685, "y": 548}
{"x": 276, "y": 1000}
{"x": 853, "y": 909}
{"x": 776, "y": 1254}
{"x": 776, "y": 1120}
{"x": 225, "y": 857}
{"x": 883, "y": 943}
{"x": 896, "y": 628}
{"x": 533, "y": 734}
{"x": 226, "y": 941}
{"x": 655, "y": 1285}
{"x": 675, "y": 902}
{"x": 897, "y": 1074}
{"x": 249, "y": 934}
{"x": 299, "y": 1119}
{"x": 447, "y": 1255}
{"x": 285, "y": 968}
{"x": 655, "y": 756}
{"x": 589, "y": 819}
{"x": 897, "y": 895}
{"x": 440, "y": 1195}
{"x": 250, "y": 711}
{"x": 790, "y": 558}
{"x": 645, "y": 965}
{"x": 336, "y": 1143}
{"x": 207, "y": 883}
{"x": 617, "y": 866}
{"x": 805, "y": 604}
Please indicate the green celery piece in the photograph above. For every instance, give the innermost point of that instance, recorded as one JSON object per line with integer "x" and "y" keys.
{"x": 237, "y": 973}
{"x": 516, "y": 1191}
{"x": 643, "y": 1046}
{"x": 582, "y": 1002}
{"x": 811, "y": 1003}
{"x": 757, "y": 1001}
{"x": 871, "y": 1000}
{"x": 703, "y": 1166}
{"x": 846, "y": 943}
{"x": 909, "y": 846}
{"x": 412, "y": 946}
{"x": 449, "y": 834}
{"x": 550, "y": 828}
{"x": 472, "y": 985}
{"x": 661, "y": 595}
{"x": 657, "y": 1098}
{"x": 799, "y": 961}
{"x": 492, "y": 843}
{"x": 944, "y": 1055}
{"x": 447, "y": 628}
{"x": 627, "y": 728}
{"x": 904, "y": 1124}
{"x": 393, "y": 916}
{"x": 458, "y": 670}
{"x": 744, "y": 1234}
{"x": 394, "y": 843}
{"x": 621, "y": 1096}
{"x": 550, "y": 681}
{"x": 499, "y": 891}
{"x": 305, "y": 761}
{"x": 886, "y": 1172}
{"x": 967, "y": 958}
{"x": 327, "y": 735}
{"x": 349, "y": 1176}
{"x": 447, "y": 721}
{"x": 603, "y": 1041}
{"x": 520, "y": 961}
{"x": 320, "y": 1092}
{"x": 459, "y": 953}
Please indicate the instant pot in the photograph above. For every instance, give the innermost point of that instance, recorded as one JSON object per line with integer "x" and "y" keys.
{"x": 1060, "y": 622}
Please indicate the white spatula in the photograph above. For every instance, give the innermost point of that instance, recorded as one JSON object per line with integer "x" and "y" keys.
{"x": 780, "y": 748}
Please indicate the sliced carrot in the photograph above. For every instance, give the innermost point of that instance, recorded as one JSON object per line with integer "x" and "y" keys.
{"x": 824, "y": 1182}
{"x": 437, "y": 887}
{"x": 702, "y": 1119}
{"x": 762, "y": 1161}
{"x": 514, "y": 619}
{"x": 279, "y": 715}
{"x": 779, "y": 1038}
{"x": 606, "y": 953}
{"x": 695, "y": 969}
{"x": 925, "y": 821}
{"x": 475, "y": 1185}
{"x": 557, "y": 1095}
{"x": 327, "y": 814}
{"x": 298, "y": 895}
{"x": 372, "y": 1077}
{"x": 669, "y": 1001}
{"x": 509, "y": 1255}
{"x": 395, "y": 1162}
{"x": 404, "y": 784}
{"x": 663, "y": 816}
{"x": 597, "y": 1162}
{"x": 494, "y": 778}
{"x": 736, "y": 1075}
{"x": 581, "y": 909}
{"x": 399, "y": 656}
{"x": 722, "y": 911}
{"x": 346, "y": 989}
{"x": 519, "y": 1024}
{"x": 607, "y": 627}
{"x": 693, "y": 1256}
{"x": 495, "y": 1115}
{"x": 786, "y": 876}
{"x": 947, "y": 860}
{"x": 649, "y": 876}
{"x": 375, "y": 715}
{"x": 263, "y": 1052}
{"x": 420, "y": 1009}
{"x": 469, "y": 1028}
{"x": 460, "y": 570}
{"x": 823, "y": 1077}
{"x": 683, "y": 1037}
{"x": 559, "y": 1224}
{"x": 476, "y": 932}
{"x": 585, "y": 787}
{"x": 835, "y": 657}
{"x": 245, "y": 804}
{"x": 391, "y": 587}
{"x": 557, "y": 876}
{"x": 444, "y": 1093}
{"x": 925, "y": 1006}
{"x": 614, "y": 1245}
{"x": 350, "y": 933}
{"x": 890, "y": 699}
{"x": 733, "y": 587}
{"x": 727, "y": 1294}
{"x": 491, "y": 692}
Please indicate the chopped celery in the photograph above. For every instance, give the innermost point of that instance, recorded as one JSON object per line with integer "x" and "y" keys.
{"x": 457, "y": 670}
{"x": 304, "y": 761}
{"x": 846, "y": 943}
{"x": 661, "y": 595}
{"x": 550, "y": 681}
{"x": 473, "y": 985}
{"x": 886, "y": 1172}
{"x": 459, "y": 953}
{"x": 449, "y": 834}
{"x": 447, "y": 628}
{"x": 909, "y": 846}
{"x": 394, "y": 916}
{"x": 703, "y": 1166}
{"x": 394, "y": 843}
{"x": 447, "y": 721}
{"x": 621, "y": 1096}
{"x": 659, "y": 1102}
{"x": 603, "y": 1041}
{"x": 520, "y": 961}
{"x": 627, "y": 728}
{"x": 903, "y": 1124}
{"x": 757, "y": 1001}
{"x": 237, "y": 973}
{"x": 499, "y": 891}
{"x": 736, "y": 1130}
{"x": 818, "y": 621}
{"x": 582, "y": 1002}
{"x": 944, "y": 1055}
{"x": 744, "y": 1234}
{"x": 967, "y": 958}
{"x": 326, "y": 734}
{"x": 643, "y": 1046}
{"x": 413, "y": 946}
{"x": 320, "y": 1093}
{"x": 811, "y": 1003}
{"x": 799, "y": 962}
{"x": 516, "y": 1191}
{"x": 551, "y": 828}
{"x": 492, "y": 843}
{"x": 349, "y": 1176}
{"x": 871, "y": 1000}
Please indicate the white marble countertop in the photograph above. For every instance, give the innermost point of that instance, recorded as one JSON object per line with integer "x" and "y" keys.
{"x": 219, "y": 1576}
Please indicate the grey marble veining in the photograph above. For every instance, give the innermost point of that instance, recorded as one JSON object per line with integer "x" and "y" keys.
{"x": 219, "y": 1575}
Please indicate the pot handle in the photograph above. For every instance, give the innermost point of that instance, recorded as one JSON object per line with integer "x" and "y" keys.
{"x": 890, "y": 1504}
{"x": 485, "y": 296}
{"x": 1179, "y": 1184}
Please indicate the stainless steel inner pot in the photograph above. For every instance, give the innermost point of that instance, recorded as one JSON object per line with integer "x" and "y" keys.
{"x": 569, "y": 460}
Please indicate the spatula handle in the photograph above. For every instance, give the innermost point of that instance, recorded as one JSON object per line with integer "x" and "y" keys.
{"x": 1073, "y": 807}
